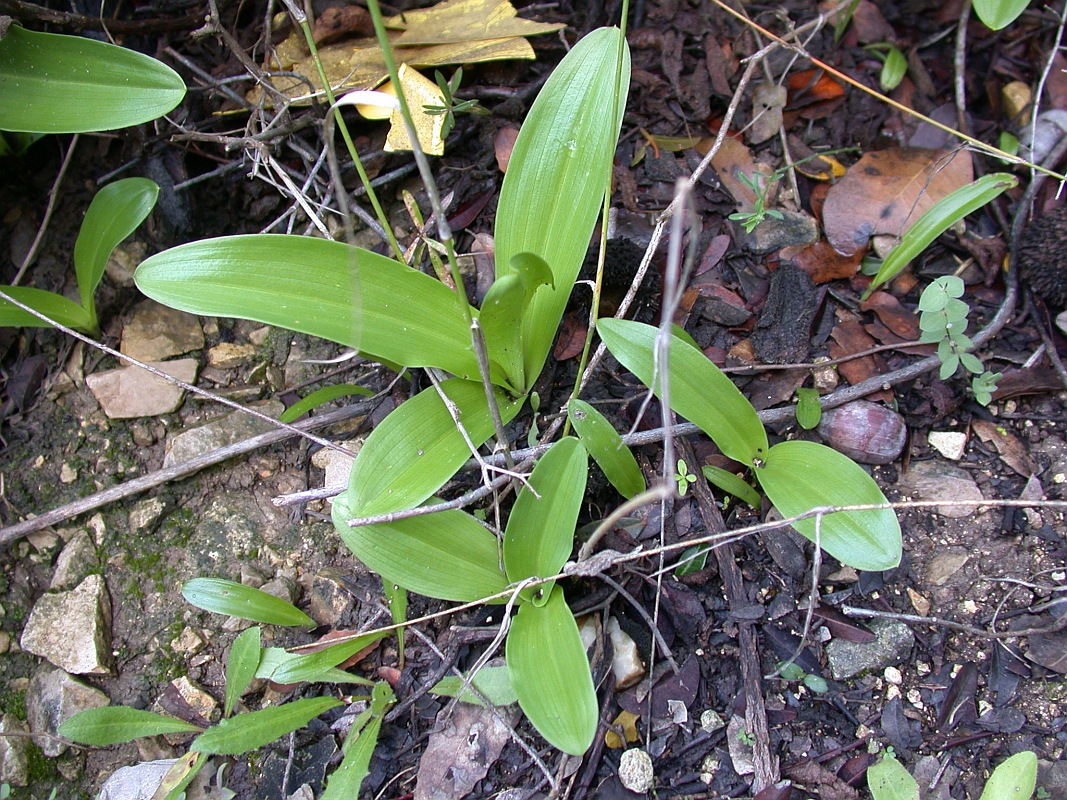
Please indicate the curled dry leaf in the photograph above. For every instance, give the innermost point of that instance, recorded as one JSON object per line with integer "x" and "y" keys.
{"x": 503, "y": 143}
{"x": 1010, "y": 447}
{"x": 887, "y": 191}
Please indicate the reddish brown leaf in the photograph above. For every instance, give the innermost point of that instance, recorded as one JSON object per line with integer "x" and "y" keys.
{"x": 337, "y": 22}
{"x": 571, "y": 337}
{"x": 1010, "y": 447}
{"x": 813, "y": 85}
{"x": 843, "y": 627}
{"x": 733, "y": 160}
{"x": 899, "y": 320}
{"x": 821, "y": 261}
{"x": 887, "y": 191}
{"x": 849, "y": 338}
{"x": 503, "y": 143}
{"x": 1035, "y": 380}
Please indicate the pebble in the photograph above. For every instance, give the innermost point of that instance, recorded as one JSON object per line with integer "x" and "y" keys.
{"x": 636, "y": 772}
{"x": 944, "y": 565}
{"x": 72, "y": 629}
{"x": 338, "y": 466}
{"x": 229, "y": 429}
{"x": 892, "y": 646}
{"x": 950, "y": 444}
{"x": 77, "y": 559}
{"x": 795, "y": 228}
{"x": 156, "y": 332}
{"x": 935, "y": 480}
{"x": 228, "y": 355}
{"x": 130, "y": 392}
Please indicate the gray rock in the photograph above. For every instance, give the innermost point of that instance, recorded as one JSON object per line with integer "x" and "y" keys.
{"x": 935, "y": 480}
{"x": 146, "y": 514}
{"x": 892, "y": 646}
{"x": 72, "y": 629}
{"x": 1052, "y": 775}
{"x": 76, "y": 561}
{"x": 795, "y": 228}
{"x": 130, "y": 392}
{"x": 156, "y": 332}
{"x": 141, "y": 781}
{"x": 52, "y": 697}
{"x": 945, "y": 564}
{"x": 14, "y": 762}
{"x": 227, "y": 430}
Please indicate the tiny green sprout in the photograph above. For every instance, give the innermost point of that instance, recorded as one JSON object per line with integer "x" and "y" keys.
{"x": 449, "y": 105}
{"x": 750, "y": 219}
{"x": 684, "y": 477}
{"x": 1042, "y": 793}
{"x": 746, "y": 738}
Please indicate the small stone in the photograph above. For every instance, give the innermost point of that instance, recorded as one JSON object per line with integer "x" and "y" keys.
{"x": 864, "y": 431}
{"x": 14, "y": 751}
{"x": 825, "y": 378}
{"x": 123, "y": 261}
{"x": 738, "y": 742}
{"x": 188, "y": 643}
{"x": 228, "y": 355}
{"x": 73, "y": 629}
{"x": 76, "y": 561}
{"x": 794, "y": 229}
{"x": 5, "y": 644}
{"x": 338, "y": 466}
{"x": 327, "y": 597}
{"x": 282, "y": 587}
{"x": 67, "y": 474}
{"x": 146, "y": 514}
{"x": 920, "y": 603}
{"x": 52, "y": 697}
{"x": 711, "y": 721}
{"x": 950, "y": 444}
{"x": 944, "y": 565}
{"x": 636, "y": 772}
{"x": 129, "y": 392}
{"x": 156, "y": 332}
{"x": 935, "y": 480}
{"x": 183, "y": 691}
{"x": 892, "y": 676}
{"x": 226, "y": 430}
{"x": 626, "y": 665}
{"x": 259, "y": 336}
{"x": 892, "y": 646}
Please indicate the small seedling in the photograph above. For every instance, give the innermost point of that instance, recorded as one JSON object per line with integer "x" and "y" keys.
{"x": 746, "y": 738}
{"x": 449, "y": 105}
{"x": 894, "y": 64}
{"x": 683, "y": 477}
{"x": 750, "y": 219}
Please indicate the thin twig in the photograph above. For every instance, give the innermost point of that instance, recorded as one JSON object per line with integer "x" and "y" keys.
{"x": 53, "y": 196}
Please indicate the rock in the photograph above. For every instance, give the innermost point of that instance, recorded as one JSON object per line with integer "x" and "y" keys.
{"x": 189, "y": 642}
{"x": 711, "y": 721}
{"x": 626, "y": 665}
{"x": 636, "y": 772}
{"x": 327, "y": 597}
{"x": 73, "y": 629}
{"x": 124, "y": 261}
{"x": 935, "y": 480}
{"x": 737, "y": 742}
{"x": 141, "y": 781}
{"x": 864, "y": 431}
{"x": 795, "y": 228}
{"x": 14, "y": 762}
{"x": 825, "y": 379}
{"x": 892, "y": 646}
{"x": 944, "y": 565}
{"x": 227, "y": 430}
{"x": 184, "y": 699}
{"x": 52, "y": 697}
{"x": 76, "y": 561}
{"x": 146, "y": 514}
{"x": 338, "y": 466}
{"x": 460, "y": 753}
{"x": 228, "y": 355}
{"x": 156, "y": 332}
{"x": 129, "y": 392}
{"x": 950, "y": 444}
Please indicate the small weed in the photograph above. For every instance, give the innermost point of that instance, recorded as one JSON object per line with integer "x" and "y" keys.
{"x": 750, "y": 219}
{"x": 683, "y": 477}
{"x": 449, "y": 105}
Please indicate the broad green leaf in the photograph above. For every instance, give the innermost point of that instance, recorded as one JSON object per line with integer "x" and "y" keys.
{"x": 493, "y": 682}
{"x": 729, "y": 482}
{"x": 258, "y": 728}
{"x": 997, "y": 14}
{"x": 414, "y": 450}
{"x": 606, "y": 447}
{"x": 540, "y": 530}
{"x": 1014, "y": 779}
{"x": 114, "y": 213}
{"x": 329, "y": 289}
{"x": 279, "y": 665}
{"x": 888, "y": 780}
{"x": 550, "y": 673}
{"x": 501, "y": 321}
{"x": 447, "y": 555}
{"x": 320, "y": 396}
{"x": 938, "y": 219}
{"x": 52, "y": 305}
{"x": 700, "y": 391}
{"x": 559, "y": 170}
{"x": 809, "y": 411}
{"x": 307, "y": 667}
{"x": 50, "y": 83}
{"x": 241, "y": 667}
{"x": 535, "y": 273}
{"x": 799, "y": 476}
{"x": 244, "y": 602}
{"x": 346, "y": 780}
{"x": 100, "y": 727}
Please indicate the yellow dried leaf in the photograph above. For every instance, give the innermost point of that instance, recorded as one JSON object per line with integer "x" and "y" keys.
{"x": 460, "y": 21}
{"x": 419, "y": 91}
{"x": 823, "y": 168}
{"x": 627, "y": 722}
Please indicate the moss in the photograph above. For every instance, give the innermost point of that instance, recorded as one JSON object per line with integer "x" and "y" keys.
{"x": 13, "y": 702}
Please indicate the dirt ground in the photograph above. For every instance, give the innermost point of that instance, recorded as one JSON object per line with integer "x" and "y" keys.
{"x": 964, "y": 692}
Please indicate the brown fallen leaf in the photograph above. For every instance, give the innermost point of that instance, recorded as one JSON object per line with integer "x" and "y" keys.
{"x": 886, "y": 192}
{"x": 899, "y": 320}
{"x": 768, "y": 100}
{"x": 822, "y": 263}
{"x": 849, "y": 338}
{"x": 503, "y": 144}
{"x": 337, "y": 22}
{"x": 1010, "y": 447}
{"x": 732, "y": 161}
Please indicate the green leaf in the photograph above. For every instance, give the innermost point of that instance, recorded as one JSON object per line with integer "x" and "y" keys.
{"x": 279, "y": 665}
{"x": 997, "y": 14}
{"x": 799, "y": 476}
{"x": 559, "y": 170}
{"x": 447, "y": 555}
{"x": 320, "y": 396}
{"x": 888, "y": 780}
{"x": 938, "y": 219}
{"x": 493, "y": 682}
{"x": 971, "y": 363}
{"x": 114, "y": 213}
{"x": 893, "y": 70}
{"x": 700, "y": 392}
{"x": 809, "y": 411}
{"x": 606, "y": 447}
{"x": 540, "y": 530}
{"x": 328, "y": 289}
{"x": 244, "y": 602}
{"x": 52, "y": 305}
{"x": 501, "y": 320}
{"x": 241, "y": 667}
{"x": 414, "y": 450}
{"x": 693, "y": 559}
{"x": 258, "y": 728}
{"x": 50, "y": 83}
{"x": 100, "y": 727}
{"x": 1014, "y": 779}
{"x": 345, "y": 782}
{"x": 729, "y": 482}
{"x": 550, "y": 673}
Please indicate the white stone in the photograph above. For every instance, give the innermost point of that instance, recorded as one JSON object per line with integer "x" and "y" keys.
{"x": 130, "y": 392}
{"x": 156, "y": 332}
{"x": 52, "y": 697}
{"x": 636, "y": 772}
{"x": 72, "y": 629}
{"x": 950, "y": 444}
{"x": 229, "y": 429}
{"x": 338, "y": 466}
{"x": 14, "y": 756}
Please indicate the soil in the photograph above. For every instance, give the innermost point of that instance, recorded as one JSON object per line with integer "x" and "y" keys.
{"x": 997, "y": 569}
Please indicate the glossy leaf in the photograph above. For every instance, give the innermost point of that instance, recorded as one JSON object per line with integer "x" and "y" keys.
{"x": 414, "y": 450}
{"x": 809, "y": 410}
{"x": 1014, "y": 779}
{"x": 540, "y": 530}
{"x": 501, "y": 320}
{"x": 559, "y": 170}
{"x": 50, "y": 83}
{"x": 325, "y": 288}
{"x": 244, "y": 602}
{"x": 700, "y": 391}
{"x": 888, "y": 780}
{"x": 52, "y": 305}
{"x": 799, "y": 476}
{"x": 241, "y": 667}
{"x": 346, "y": 780}
{"x": 320, "y": 396}
{"x": 258, "y": 728}
{"x": 606, "y": 447}
{"x": 100, "y": 727}
{"x": 311, "y": 667}
{"x": 114, "y": 213}
{"x": 279, "y": 665}
{"x": 551, "y": 676}
{"x": 447, "y": 555}
{"x": 997, "y": 14}
{"x": 494, "y": 683}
